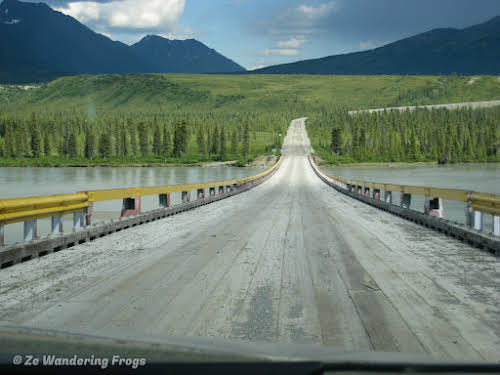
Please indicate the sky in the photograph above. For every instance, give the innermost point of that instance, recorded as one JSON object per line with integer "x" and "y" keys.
{"x": 257, "y": 33}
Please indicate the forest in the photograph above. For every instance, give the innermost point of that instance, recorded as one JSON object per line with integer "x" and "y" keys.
{"x": 75, "y": 139}
{"x": 422, "y": 135}
{"x": 142, "y": 119}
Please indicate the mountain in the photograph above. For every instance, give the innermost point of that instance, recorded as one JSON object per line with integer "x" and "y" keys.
{"x": 473, "y": 50}
{"x": 39, "y": 44}
{"x": 182, "y": 56}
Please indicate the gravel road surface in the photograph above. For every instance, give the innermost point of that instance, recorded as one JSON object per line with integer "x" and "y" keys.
{"x": 291, "y": 261}
{"x": 491, "y": 103}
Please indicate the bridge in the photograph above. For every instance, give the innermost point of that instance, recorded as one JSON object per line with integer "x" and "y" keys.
{"x": 299, "y": 257}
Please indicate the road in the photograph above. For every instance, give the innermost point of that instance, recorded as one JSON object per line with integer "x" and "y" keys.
{"x": 291, "y": 261}
{"x": 491, "y": 103}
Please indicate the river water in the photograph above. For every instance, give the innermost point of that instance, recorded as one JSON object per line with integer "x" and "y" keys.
{"x": 24, "y": 182}
{"x": 481, "y": 177}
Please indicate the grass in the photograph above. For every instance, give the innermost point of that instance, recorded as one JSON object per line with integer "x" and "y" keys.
{"x": 153, "y": 93}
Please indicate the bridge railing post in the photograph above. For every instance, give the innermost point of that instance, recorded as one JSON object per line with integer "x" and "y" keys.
{"x": 30, "y": 230}
{"x": 405, "y": 200}
{"x": 496, "y": 225}
{"x": 131, "y": 206}
{"x": 388, "y": 197}
{"x": 78, "y": 220}
{"x": 367, "y": 192}
{"x": 434, "y": 207}
{"x": 201, "y": 194}
{"x": 164, "y": 200}
{"x": 56, "y": 224}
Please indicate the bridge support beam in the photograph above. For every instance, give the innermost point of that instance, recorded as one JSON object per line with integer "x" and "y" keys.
{"x": 211, "y": 191}
{"x": 367, "y": 192}
{"x": 405, "y": 200}
{"x": 164, "y": 200}
{"x": 30, "y": 230}
{"x": 496, "y": 225}
{"x": 376, "y": 194}
{"x": 131, "y": 206}
{"x": 201, "y": 194}
{"x": 186, "y": 196}
{"x": 388, "y": 197}
{"x": 434, "y": 207}
{"x": 57, "y": 224}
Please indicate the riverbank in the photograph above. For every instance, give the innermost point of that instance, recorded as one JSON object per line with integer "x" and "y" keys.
{"x": 84, "y": 163}
{"x": 397, "y": 164}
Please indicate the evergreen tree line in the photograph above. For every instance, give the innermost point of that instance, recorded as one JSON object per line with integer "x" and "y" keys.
{"x": 78, "y": 137}
{"x": 421, "y": 135}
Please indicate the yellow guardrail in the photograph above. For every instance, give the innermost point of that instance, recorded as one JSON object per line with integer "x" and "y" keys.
{"x": 110, "y": 194}
{"x": 32, "y": 208}
{"x": 482, "y": 202}
{"x": 23, "y": 209}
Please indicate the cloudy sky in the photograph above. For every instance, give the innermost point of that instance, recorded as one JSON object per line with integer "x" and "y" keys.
{"x": 257, "y": 33}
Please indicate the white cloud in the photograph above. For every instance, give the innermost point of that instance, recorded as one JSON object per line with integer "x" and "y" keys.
{"x": 146, "y": 14}
{"x": 292, "y": 43}
{"x": 365, "y": 45}
{"x": 259, "y": 66}
{"x": 321, "y": 11}
{"x": 281, "y": 52}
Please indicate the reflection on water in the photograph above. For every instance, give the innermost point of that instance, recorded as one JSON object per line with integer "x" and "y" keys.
{"x": 24, "y": 182}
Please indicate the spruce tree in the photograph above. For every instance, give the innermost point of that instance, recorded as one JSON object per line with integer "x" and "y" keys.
{"x": 167, "y": 143}
{"x": 336, "y": 141}
{"x": 105, "y": 145}
{"x": 143, "y": 138}
{"x": 157, "y": 140}
{"x": 222, "y": 148}
{"x": 234, "y": 142}
{"x": 215, "y": 141}
{"x": 36, "y": 137}
{"x": 246, "y": 140}
{"x": 200, "y": 139}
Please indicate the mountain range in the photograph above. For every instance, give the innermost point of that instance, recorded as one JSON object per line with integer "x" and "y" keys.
{"x": 469, "y": 51}
{"x": 38, "y": 43}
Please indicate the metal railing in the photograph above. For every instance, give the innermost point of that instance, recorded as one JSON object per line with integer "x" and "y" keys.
{"x": 476, "y": 204}
{"x": 30, "y": 209}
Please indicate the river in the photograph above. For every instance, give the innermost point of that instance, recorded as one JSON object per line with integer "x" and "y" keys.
{"x": 22, "y": 182}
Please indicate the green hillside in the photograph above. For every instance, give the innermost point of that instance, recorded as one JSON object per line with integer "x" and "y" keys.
{"x": 160, "y": 92}
{"x": 158, "y": 118}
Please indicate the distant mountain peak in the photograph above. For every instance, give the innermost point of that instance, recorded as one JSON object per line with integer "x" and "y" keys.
{"x": 38, "y": 43}
{"x": 470, "y": 51}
